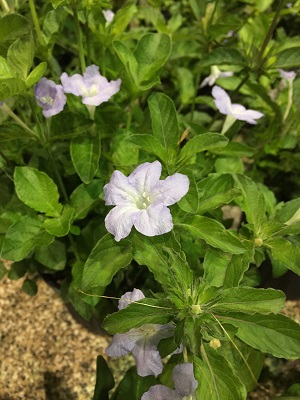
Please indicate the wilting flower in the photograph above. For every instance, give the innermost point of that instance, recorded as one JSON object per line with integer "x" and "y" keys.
{"x": 224, "y": 105}
{"x": 184, "y": 382}
{"x": 141, "y": 342}
{"x": 215, "y": 74}
{"x": 108, "y": 15}
{"x": 50, "y": 97}
{"x": 92, "y": 86}
{"x": 288, "y": 75}
{"x": 141, "y": 200}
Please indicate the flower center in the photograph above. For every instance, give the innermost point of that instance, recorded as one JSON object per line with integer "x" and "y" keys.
{"x": 47, "y": 100}
{"x": 143, "y": 202}
{"x": 90, "y": 92}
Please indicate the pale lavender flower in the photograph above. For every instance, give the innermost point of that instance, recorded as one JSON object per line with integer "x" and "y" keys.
{"x": 141, "y": 200}
{"x": 141, "y": 342}
{"x": 184, "y": 382}
{"x": 215, "y": 74}
{"x": 50, "y": 97}
{"x": 92, "y": 86}
{"x": 288, "y": 75}
{"x": 108, "y": 15}
{"x": 224, "y": 105}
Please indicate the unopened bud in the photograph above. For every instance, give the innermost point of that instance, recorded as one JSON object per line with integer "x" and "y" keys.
{"x": 215, "y": 344}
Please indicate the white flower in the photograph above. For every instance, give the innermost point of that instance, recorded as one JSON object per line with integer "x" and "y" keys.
{"x": 288, "y": 75}
{"x": 141, "y": 200}
{"x": 224, "y": 105}
{"x": 184, "y": 382}
{"x": 215, "y": 74}
{"x": 108, "y": 15}
{"x": 92, "y": 86}
{"x": 141, "y": 342}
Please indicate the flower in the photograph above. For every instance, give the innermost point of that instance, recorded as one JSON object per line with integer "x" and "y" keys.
{"x": 92, "y": 86}
{"x": 224, "y": 105}
{"x": 215, "y": 74}
{"x": 184, "y": 382}
{"x": 288, "y": 75}
{"x": 141, "y": 342}
{"x": 50, "y": 97}
{"x": 108, "y": 15}
{"x": 141, "y": 200}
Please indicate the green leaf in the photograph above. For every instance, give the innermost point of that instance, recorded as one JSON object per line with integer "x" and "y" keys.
{"x": 213, "y": 233}
{"x": 234, "y": 149}
{"x": 289, "y": 213}
{"x": 223, "y": 56}
{"x": 138, "y": 313}
{"x": 216, "y": 380}
{"x": 36, "y": 74}
{"x": 164, "y": 122}
{"x": 104, "y": 380}
{"x": 249, "y": 300}
{"x": 53, "y": 256}
{"x": 68, "y": 125}
{"x": 13, "y": 26}
{"x": 122, "y": 18}
{"x": 29, "y": 287}
{"x": 133, "y": 386}
{"x": 17, "y": 271}
{"x": 5, "y": 71}
{"x": 224, "y": 269}
{"x": 150, "y": 144}
{"x": 152, "y": 52}
{"x": 190, "y": 202}
{"x": 288, "y": 58}
{"x": 274, "y": 334}
{"x": 11, "y": 87}
{"x": 218, "y": 189}
{"x": 3, "y": 270}
{"x": 22, "y": 237}
{"x": 20, "y": 56}
{"x": 203, "y": 142}
{"x": 252, "y": 202}
{"x": 105, "y": 260}
{"x": 128, "y": 59}
{"x": 85, "y": 154}
{"x": 285, "y": 252}
{"x": 35, "y": 189}
{"x": 186, "y": 86}
{"x": 60, "y": 226}
{"x": 84, "y": 197}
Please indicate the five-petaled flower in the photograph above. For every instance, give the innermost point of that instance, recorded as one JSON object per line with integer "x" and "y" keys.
{"x": 50, "y": 97}
{"x": 141, "y": 200}
{"x": 141, "y": 342}
{"x": 92, "y": 86}
{"x": 184, "y": 382}
{"x": 224, "y": 105}
{"x": 215, "y": 74}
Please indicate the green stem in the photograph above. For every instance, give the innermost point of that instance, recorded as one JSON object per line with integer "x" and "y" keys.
{"x": 79, "y": 37}
{"x": 270, "y": 32}
{"x": 8, "y": 111}
{"x": 290, "y": 101}
{"x": 36, "y": 22}
{"x": 5, "y": 6}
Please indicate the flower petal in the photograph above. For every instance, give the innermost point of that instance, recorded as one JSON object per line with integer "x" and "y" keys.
{"x": 121, "y": 345}
{"x": 222, "y": 100}
{"x": 160, "y": 392}
{"x": 73, "y": 84}
{"x": 147, "y": 358}
{"x": 130, "y": 297}
{"x": 145, "y": 177}
{"x": 184, "y": 380}
{"x": 104, "y": 94}
{"x": 120, "y": 220}
{"x": 155, "y": 220}
{"x": 250, "y": 116}
{"x": 171, "y": 190}
{"x": 119, "y": 191}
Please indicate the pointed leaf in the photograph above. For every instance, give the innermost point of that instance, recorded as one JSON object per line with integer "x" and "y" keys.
{"x": 285, "y": 252}
{"x": 104, "y": 380}
{"x": 150, "y": 144}
{"x": 84, "y": 197}
{"x": 203, "y": 142}
{"x": 60, "y": 226}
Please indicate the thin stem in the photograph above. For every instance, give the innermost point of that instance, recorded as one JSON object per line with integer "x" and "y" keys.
{"x": 290, "y": 101}
{"x": 58, "y": 177}
{"x": 270, "y": 31}
{"x": 8, "y": 111}
{"x": 79, "y": 37}
{"x": 5, "y": 6}
{"x": 36, "y": 22}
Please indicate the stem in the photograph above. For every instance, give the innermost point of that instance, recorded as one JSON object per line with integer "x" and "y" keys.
{"x": 36, "y": 22}
{"x": 270, "y": 31}
{"x": 5, "y": 6}
{"x": 290, "y": 101}
{"x": 79, "y": 37}
{"x": 58, "y": 177}
{"x": 8, "y": 111}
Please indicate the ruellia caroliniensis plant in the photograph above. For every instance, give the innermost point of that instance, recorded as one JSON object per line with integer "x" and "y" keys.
{"x": 128, "y": 134}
